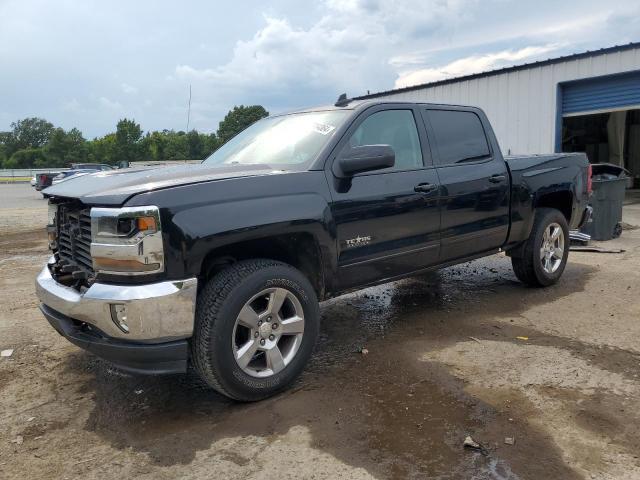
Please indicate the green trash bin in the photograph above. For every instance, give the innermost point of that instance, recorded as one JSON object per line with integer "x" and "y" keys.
{"x": 609, "y": 184}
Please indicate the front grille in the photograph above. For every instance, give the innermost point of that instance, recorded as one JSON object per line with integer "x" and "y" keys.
{"x": 74, "y": 238}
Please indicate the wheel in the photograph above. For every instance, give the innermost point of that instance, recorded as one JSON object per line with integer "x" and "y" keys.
{"x": 256, "y": 325}
{"x": 542, "y": 258}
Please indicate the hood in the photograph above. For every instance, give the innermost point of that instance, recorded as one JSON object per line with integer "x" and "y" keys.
{"x": 114, "y": 187}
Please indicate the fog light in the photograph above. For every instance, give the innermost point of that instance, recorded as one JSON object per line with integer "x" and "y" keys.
{"x": 119, "y": 316}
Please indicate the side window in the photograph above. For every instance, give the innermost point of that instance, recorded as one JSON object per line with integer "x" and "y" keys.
{"x": 396, "y": 128}
{"x": 459, "y": 136}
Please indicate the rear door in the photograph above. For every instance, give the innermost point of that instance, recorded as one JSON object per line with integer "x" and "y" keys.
{"x": 386, "y": 221}
{"x": 474, "y": 179}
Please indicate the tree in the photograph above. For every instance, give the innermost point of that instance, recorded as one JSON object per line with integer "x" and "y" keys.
{"x": 177, "y": 147}
{"x": 211, "y": 144}
{"x": 64, "y": 148}
{"x": 103, "y": 150}
{"x": 26, "y": 158}
{"x": 238, "y": 119}
{"x": 128, "y": 141}
{"x": 30, "y": 133}
{"x": 195, "y": 145}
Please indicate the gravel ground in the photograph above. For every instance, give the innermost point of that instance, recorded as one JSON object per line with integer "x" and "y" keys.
{"x": 21, "y": 208}
{"x": 465, "y": 351}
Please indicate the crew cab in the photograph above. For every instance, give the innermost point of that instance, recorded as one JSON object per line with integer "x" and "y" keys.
{"x": 222, "y": 265}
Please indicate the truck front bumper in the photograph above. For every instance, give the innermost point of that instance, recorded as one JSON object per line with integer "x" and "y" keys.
{"x": 140, "y": 328}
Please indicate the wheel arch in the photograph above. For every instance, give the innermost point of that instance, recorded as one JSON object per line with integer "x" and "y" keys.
{"x": 301, "y": 250}
{"x": 561, "y": 200}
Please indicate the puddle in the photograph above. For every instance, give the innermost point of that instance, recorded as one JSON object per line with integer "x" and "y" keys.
{"x": 389, "y": 412}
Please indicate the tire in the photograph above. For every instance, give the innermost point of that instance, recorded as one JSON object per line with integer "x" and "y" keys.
{"x": 220, "y": 335}
{"x": 527, "y": 261}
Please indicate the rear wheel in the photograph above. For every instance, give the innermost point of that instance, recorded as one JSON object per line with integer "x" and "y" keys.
{"x": 256, "y": 325}
{"x": 541, "y": 260}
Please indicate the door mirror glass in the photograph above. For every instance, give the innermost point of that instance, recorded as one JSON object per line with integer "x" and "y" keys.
{"x": 365, "y": 158}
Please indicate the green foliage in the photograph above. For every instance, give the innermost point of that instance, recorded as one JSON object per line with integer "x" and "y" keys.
{"x": 30, "y": 133}
{"x": 65, "y": 147}
{"x": 128, "y": 145}
{"x": 34, "y": 142}
{"x": 26, "y": 158}
{"x": 238, "y": 119}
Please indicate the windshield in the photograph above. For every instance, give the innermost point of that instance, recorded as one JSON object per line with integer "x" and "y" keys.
{"x": 281, "y": 142}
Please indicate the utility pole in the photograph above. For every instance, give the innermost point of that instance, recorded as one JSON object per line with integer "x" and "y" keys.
{"x": 189, "y": 109}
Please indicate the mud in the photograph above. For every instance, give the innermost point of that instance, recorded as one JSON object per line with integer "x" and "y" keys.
{"x": 444, "y": 361}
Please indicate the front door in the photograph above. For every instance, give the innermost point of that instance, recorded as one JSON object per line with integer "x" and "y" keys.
{"x": 474, "y": 183}
{"x": 387, "y": 221}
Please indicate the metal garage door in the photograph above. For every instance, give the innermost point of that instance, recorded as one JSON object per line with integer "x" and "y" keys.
{"x": 619, "y": 92}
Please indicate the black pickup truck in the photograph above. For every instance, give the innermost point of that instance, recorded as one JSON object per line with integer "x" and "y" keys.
{"x": 221, "y": 265}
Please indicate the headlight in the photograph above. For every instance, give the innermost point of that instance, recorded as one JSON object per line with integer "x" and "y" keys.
{"x": 52, "y": 231}
{"x": 126, "y": 241}
{"x": 51, "y": 217}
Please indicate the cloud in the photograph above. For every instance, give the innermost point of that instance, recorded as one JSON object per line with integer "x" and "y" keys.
{"x": 343, "y": 50}
{"x": 128, "y": 89}
{"x": 73, "y": 106}
{"x": 282, "y": 54}
{"x": 110, "y": 104}
{"x": 468, "y": 65}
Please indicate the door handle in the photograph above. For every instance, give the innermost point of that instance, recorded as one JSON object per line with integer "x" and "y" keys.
{"x": 497, "y": 178}
{"x": 425, "y": 187}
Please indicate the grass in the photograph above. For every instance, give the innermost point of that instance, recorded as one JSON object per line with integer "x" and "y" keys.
{"x": 14, "y": 179}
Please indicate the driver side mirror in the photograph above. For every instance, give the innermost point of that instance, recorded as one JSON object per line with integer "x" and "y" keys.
{"x": 365, "y": 158}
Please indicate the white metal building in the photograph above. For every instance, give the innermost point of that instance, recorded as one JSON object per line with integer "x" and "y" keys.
{"x": 587, "y": 102}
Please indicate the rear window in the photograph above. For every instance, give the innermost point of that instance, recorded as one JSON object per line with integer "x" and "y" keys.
{"x": 459, "y": 136}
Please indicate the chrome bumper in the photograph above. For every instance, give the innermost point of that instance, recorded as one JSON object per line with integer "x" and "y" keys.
{"x": 156, "y": 312}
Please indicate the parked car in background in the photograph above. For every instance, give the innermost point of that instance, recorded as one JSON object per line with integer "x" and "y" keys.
{"x": 91, "y": 166}
{"x": 74, "y": 173}
{"x": 33, "y": 181}
{"x": 44, "y": 180}
{"x": 221, "y": 265}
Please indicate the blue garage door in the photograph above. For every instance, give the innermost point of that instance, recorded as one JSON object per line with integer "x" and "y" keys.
{"x": 601, "y": 94}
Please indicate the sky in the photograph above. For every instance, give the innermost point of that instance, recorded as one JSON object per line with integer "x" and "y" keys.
{"x": 87, "y": 63}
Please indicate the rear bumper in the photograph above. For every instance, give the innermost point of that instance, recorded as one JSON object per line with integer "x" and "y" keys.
{"x": 155, "y": 358}
{"x": 586, "y": 217}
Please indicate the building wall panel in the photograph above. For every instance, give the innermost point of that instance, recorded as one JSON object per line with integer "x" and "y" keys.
{"x": 522, "y": 104}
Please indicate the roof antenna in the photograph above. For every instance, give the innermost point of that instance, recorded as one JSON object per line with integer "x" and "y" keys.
{"x": 342, "y": 100}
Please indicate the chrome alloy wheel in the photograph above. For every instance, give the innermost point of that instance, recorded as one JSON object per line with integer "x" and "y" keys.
{"x": 552, "y": 249}
{"x": 268, "y": 332}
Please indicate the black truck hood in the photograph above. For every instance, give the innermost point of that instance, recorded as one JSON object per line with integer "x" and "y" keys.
{"x": 114, "y": 187}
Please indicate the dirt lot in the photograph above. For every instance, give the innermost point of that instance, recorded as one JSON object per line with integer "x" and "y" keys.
{"x": 466, "y": 351}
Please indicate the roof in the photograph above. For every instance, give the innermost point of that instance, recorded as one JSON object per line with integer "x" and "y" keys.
{"x": 500, "y": 71}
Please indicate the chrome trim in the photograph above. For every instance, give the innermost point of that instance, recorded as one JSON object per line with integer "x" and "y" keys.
{"x": 144, "y": 248}
{"x": 587, "y": 216}
{"x": 578, "y": 236}
{"x": 156, "y": 312}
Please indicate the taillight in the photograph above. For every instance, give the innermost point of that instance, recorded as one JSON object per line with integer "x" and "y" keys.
{"x": 589, "y": 179}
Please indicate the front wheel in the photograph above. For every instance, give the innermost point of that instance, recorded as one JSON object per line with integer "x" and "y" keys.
{"x": 543, "y": 257}
{"x": 256, "y": 325}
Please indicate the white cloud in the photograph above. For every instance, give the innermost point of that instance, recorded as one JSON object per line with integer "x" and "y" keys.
{"x": 343, "y": 50}
{"x": 467, "y": 65}
{"x": 296, "y": 54}
{"x": 128, "y": 89}
{"x": 109, "y": 104}
{"x": 73, "y": 106}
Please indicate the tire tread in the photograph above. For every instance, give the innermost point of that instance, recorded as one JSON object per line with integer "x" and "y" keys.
{"x": 209, "y": 302}
{"x": 523, "y": 263}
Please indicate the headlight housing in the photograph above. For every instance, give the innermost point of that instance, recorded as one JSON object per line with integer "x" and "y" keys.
{"x": 127, "y": 241}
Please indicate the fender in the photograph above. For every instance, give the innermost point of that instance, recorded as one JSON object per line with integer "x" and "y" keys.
{"x": 199, "y": 218}
{"x": 540, "y": 181}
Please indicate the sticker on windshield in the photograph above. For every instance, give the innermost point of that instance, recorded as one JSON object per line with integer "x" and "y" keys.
{"x": 323, "y": 128}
